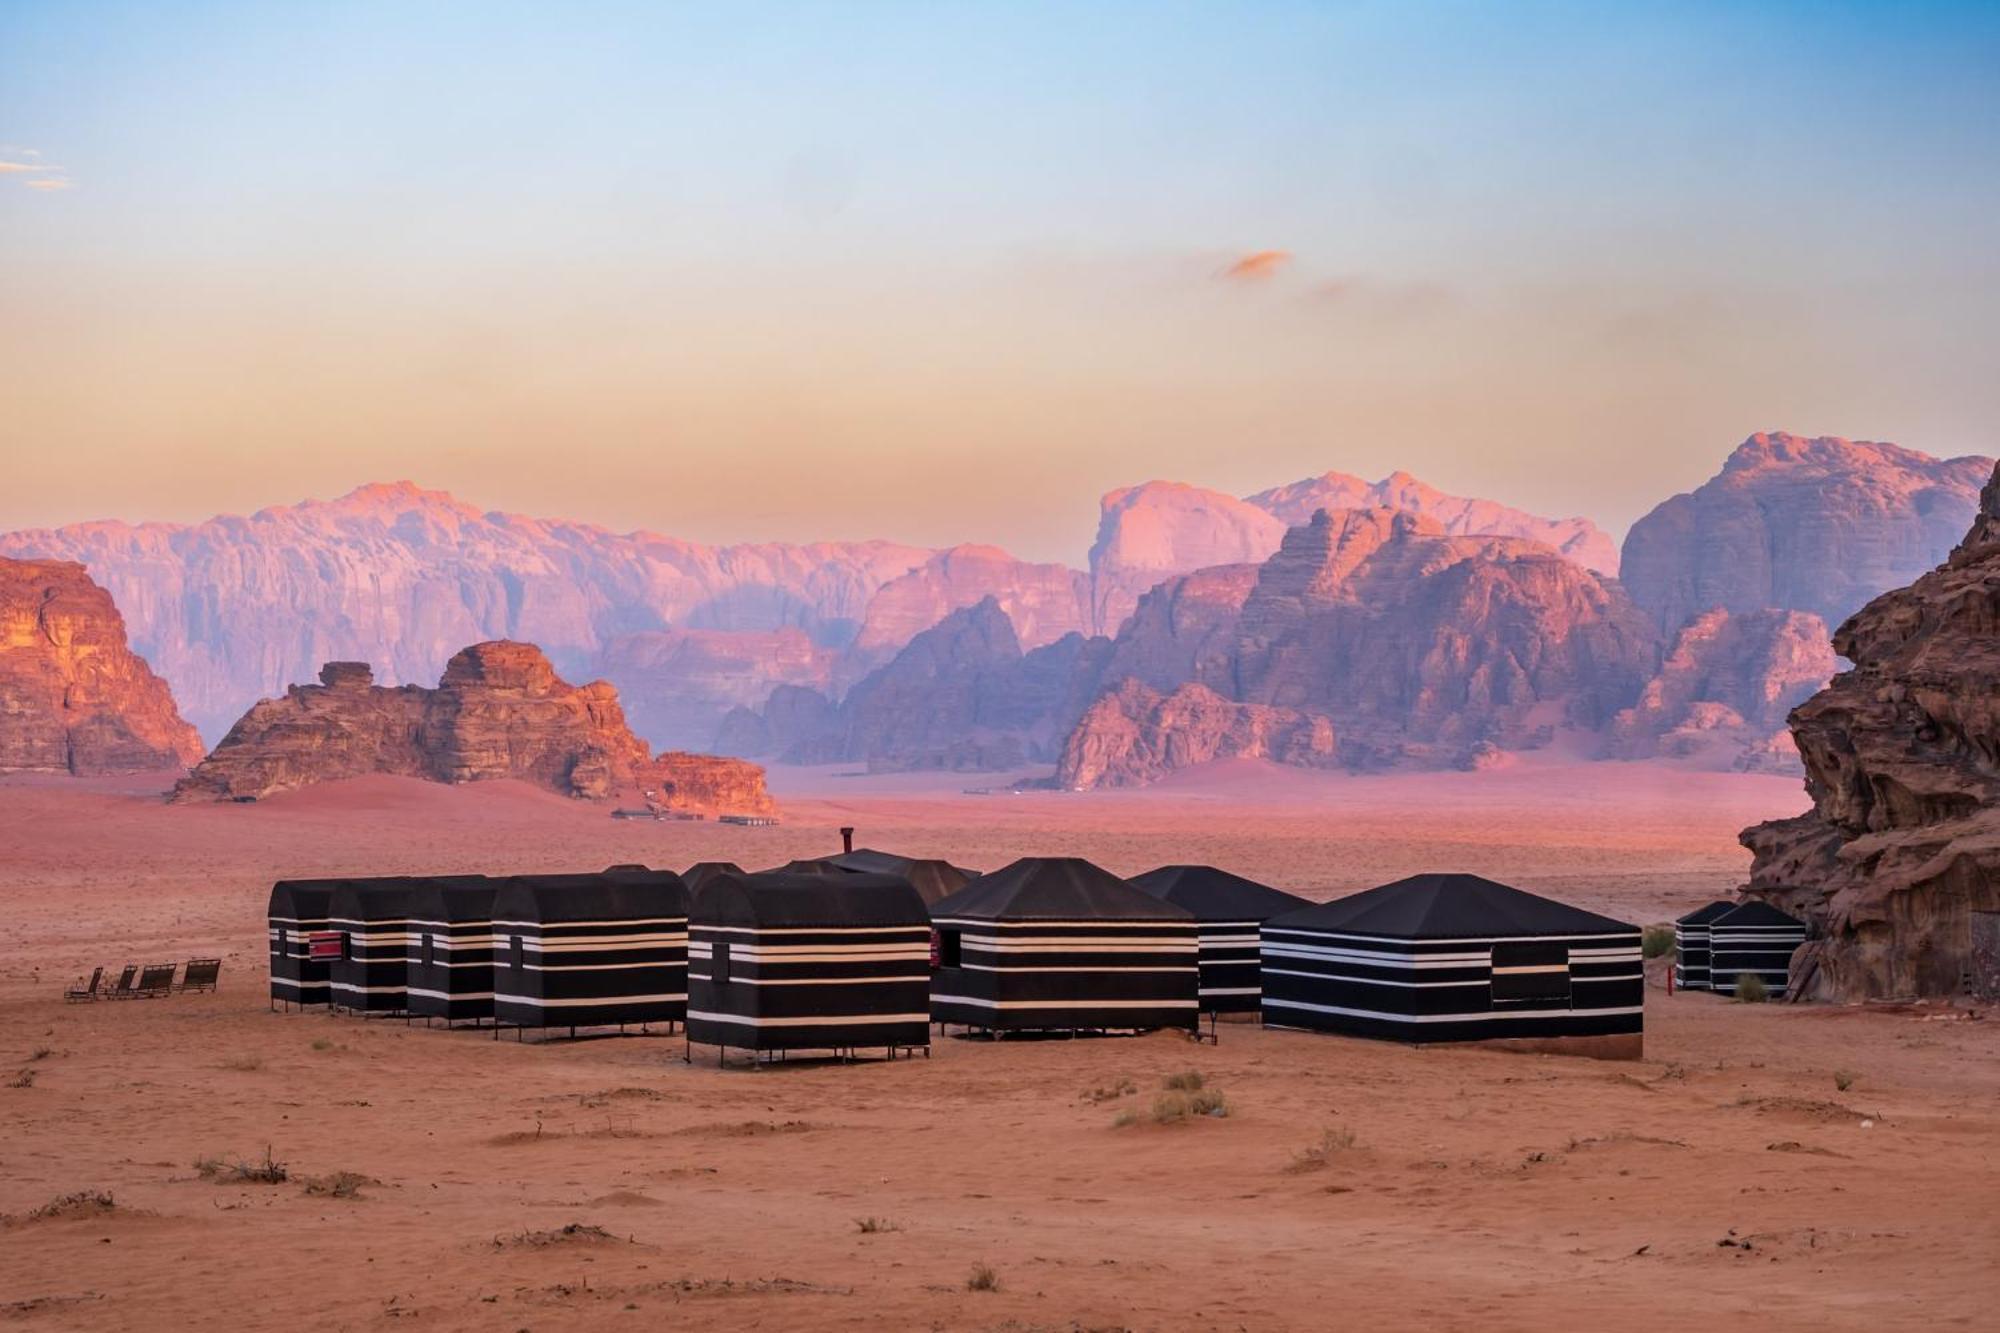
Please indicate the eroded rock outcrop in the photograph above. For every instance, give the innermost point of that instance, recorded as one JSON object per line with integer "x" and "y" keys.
{"x": 1902, "y": 759}
{"x": 74, "y": 698}
{"x": 1724, "y": 689}
{"x": 1134, "y": 735}
{"x": 1815, "y": 525}
{"x": 499, "y": 711}
{"x": 1042, "y": 602}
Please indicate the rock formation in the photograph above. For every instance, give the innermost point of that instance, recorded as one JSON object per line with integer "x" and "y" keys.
{"x": 74, "y": 698}
{"x": 1134, "y": 735}
{"x": 677, "y": 684}
{"x": 1902, "y": 758}
{"x": 1041, "y": 602}
{"x": 1794, "y": 524}
{"x": 1724, "y": 689}
{"x": 499, "y": 711}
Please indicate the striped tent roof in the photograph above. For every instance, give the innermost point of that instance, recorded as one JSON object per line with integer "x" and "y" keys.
{"x": 1701, "y": 916}
{"x": 933, "y": 879}
{"x": 1216, "y": 895}
{"x": 701, "y": 872}
{"x": 773, "y": 901}
{"x": 1756, "y": 913}
{"x": 1448, "y": 906}
{"x": 1055, "y": 888}
{"x": 552, "y": 899}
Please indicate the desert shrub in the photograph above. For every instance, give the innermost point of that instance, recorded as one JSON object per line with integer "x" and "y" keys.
{"x": 1170, "y": 1108}
{"x": 1750, "y": 989}
{"x": 1189, "y": 1080}
{"x": 1111, "y": 1092}
{"x": 40, "y": 1053}
{"x": 244, "y": 1064}
{"x": 81, "y": 1203}
{"x": 270, "y": 1171}
{"x": 24, "y": 1079}
{"x": 983, "y": 1278}
{"x": 1319, "y": 1154}
{"x": 1125, "y": 1119}
{"x": 339, "y": 1185}
{"x": 869, "y": 1226}
{"x": 322, "y": 1043}
{"x": 1656, "y": 941}
{"x": 1843, "y": 1079}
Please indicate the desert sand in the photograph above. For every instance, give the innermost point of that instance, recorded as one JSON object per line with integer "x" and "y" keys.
{"x": 1763, "y": 1166}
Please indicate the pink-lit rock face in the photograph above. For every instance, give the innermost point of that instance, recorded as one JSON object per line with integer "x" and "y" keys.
{"x": 499, "y": 711}
{"x": 74, "y": 698}
{"x": 1816, "y": 525}
{"x": 232, "y": 609}
{"x": 1134, "y": 735}
{"x": 1042, "y": 602}
{"x": 1902, "y": 759}
{"x": 678, "y": 685}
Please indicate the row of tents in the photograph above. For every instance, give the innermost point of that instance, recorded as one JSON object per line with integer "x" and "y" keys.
{"x": 1716, "y": 946}
{"x": 868, "y": 950}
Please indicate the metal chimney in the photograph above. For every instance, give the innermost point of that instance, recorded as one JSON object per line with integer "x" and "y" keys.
{"x": 847, "y": 840}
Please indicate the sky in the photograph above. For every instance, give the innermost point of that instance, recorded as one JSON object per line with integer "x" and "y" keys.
{"x": 947, "y": 272}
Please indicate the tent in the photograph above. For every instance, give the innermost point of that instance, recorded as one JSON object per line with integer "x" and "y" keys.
{"x": 1227, "y": 909}
{"x": 1457, "y": 958}
{"x": 701, "y": 872}
{"x": 450, "y": 958}
{"x": 597, "y": 950}
{"x": 782, "y": 962}
{"x": 1691, "y": 945}
{"x": 932, "y": 879}
{"x": 372, "y": 918}
{"x": 1056, "y": 944}
{"x": 298, "y": 911}
{"x": 1754, "y": 938}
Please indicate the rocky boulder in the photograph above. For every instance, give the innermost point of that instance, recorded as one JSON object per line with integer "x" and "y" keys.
{"x": 499, "y": 711}
{"x": 1135, "y": 734}
{"x": 74, "y": 698}
{"x": 1902, "y": 760}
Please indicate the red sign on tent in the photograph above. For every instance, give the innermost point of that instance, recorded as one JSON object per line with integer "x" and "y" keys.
{"x": 324, "y": 945}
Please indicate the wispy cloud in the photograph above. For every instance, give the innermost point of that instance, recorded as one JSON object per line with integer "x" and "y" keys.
{"x": 1256, "y": 266}
{"x": 27, "y": 163}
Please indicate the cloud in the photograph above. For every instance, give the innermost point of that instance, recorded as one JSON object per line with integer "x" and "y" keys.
{"x": 1256, "y": 266}
{"x": 50, "y": 183}
{"x": 17, "y": 161}
{"x": 9, "y": 168}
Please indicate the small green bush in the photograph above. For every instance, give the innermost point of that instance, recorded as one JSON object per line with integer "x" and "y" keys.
{"x": 983, "y": 1278}
{"x": 1750, "y": 989}
{"x": 1656, "y": 941}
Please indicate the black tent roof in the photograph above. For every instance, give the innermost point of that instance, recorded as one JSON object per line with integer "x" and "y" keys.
{"x": 821, "y": 866}
{"x": 1437, "y": 907}
{"x": 933, "y": 879}
{"x": 452, "y": 898}
{"x": 382, "y": 899}
{"x": 1055, "y": 888}
{"x": 774, "y": 900}
{"x": 1754, "y": 913}
{"x": 1701, "y": 916}
{"x": 302, "y": 898}
{"x": 1216, "y": 895}
{"x": 557, "y": 898}
{"x": 701, "y": 872}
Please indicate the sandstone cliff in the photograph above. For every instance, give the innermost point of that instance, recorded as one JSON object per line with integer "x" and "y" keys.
{"x": 1818, "y": 525}
{"x": 499, "y": 711}
{"x": 1902, "y": 758}
{"x": 1134, "y": 735}
{"x": 1041, "y": 602}
{"x": 74, "y": 698}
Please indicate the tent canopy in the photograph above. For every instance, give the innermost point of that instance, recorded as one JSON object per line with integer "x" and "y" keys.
{"x": 701, "y": 872}
{"x": 1216, "y": 895}
{"x": 553, "y": 899}
{"x": 775, "y": 900}
{"x": 302, "y": 899}
{"x": 1055, "y": 888}
{"x": 1701, "y": 916}
{"x": 1434, "y": 907}
{"x": 452, "y": 898}
{"x": 385, "y": 899}
{"x": 932, "y": 879}
{"x": 1753, "y": 913}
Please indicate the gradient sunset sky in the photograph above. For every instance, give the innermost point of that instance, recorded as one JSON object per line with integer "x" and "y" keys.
{"x": 945, "y": 273}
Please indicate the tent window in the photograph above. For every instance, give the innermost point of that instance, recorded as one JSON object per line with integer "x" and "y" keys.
{"x": 721, "y": 969}
{"x": 520, "y": 954}
{"x": 951, "y": 948}
{"x": 284, "y": 941}
{"x": 1530, "y": 972}
{"x": 430, "y": 949}
{"x": 346, "y": 946}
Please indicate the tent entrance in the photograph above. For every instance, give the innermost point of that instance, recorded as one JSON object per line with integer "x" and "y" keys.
{"x": 1530, "y": 974}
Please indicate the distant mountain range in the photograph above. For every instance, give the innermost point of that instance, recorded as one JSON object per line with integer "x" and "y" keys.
{"x": 1462, "y": 630}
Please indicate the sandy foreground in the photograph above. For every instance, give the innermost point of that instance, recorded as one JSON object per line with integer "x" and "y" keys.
{"x": 1729, "y": 1180}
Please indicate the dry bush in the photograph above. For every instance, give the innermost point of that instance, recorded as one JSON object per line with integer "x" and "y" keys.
{"x": 869, "y": 1226}
{"x": 244, "y": 1064}
{"x": 1318, "y": 1155}
{"x": 1124, "y": 1087}
{"x": 339, "y": 1185}
{"x": 1750, "y": 989}
{"x": 983, "y": 1278}
{"x": 571, "y": 1234}
{"x": 1187, "y": 1081}
{"x": 1656, "y": 941}
{"x": 40, "y": 1053}
{"x": 83, "y": 1203}
{"x": 1171, "y": 1108}
{"x": 270, "y": 1171}
{"x": 24, "y": 1079}
{"x": 1843, "y": 1079}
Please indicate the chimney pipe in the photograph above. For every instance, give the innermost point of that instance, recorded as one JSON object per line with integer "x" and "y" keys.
{"x": 847, "y": 840}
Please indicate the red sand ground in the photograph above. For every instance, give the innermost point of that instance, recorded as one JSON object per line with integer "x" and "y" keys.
{"x": 1459, "y": 1188}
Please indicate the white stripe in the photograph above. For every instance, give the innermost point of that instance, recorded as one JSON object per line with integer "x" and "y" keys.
{"x": 1480, "y": 940}
{"x": 1097, "y": 924}
{"x": 544, "y": 927}
{"x": 807, "y": 981}
{"x": 452, "y": 995}
{"x": 1063, "y": 1004}
{"x": 1371, "y": 981}
{"x": 592, "y": 1001}
{"x": 1186, "y": 969}
{"x": 817, "y": 930}
{"x": 829, "y": 1020}
{"x": 1270, "y": 1003}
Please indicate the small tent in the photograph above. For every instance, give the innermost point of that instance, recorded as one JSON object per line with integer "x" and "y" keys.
{"x": 1753, "y": 939}
{"x": 450, "y": 959}
{"x": 1691, "y": 945}
{"x": 1436, "y": 958}
{"x": 599, "y": 950}
{"x": 1228, "y": 909}
{"x": 932, "y": 879}
{"x": 298, "y": 912}
{"x": 781, "y": 962}
{"x": 372, "y": 919}
{"x": 1056, "y": 944}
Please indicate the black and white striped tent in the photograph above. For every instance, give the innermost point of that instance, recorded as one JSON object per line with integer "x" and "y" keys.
{"x": 1456, "y": 958}
{"x": 450, "y": 959}
{"x": 1755, "y": 939}
{"x": 372, "y": 918}
{"x": 1056, "y": 944}
{"x": 581, "y": 951}
{"x": 808, "y": 962}
{"x": 701, "y": 872}
{"x": 932, "y": 879}
{"x": 1228, "y": 909}
{"x": 1691, "y": 948}
{"x": 298, "y": 911}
